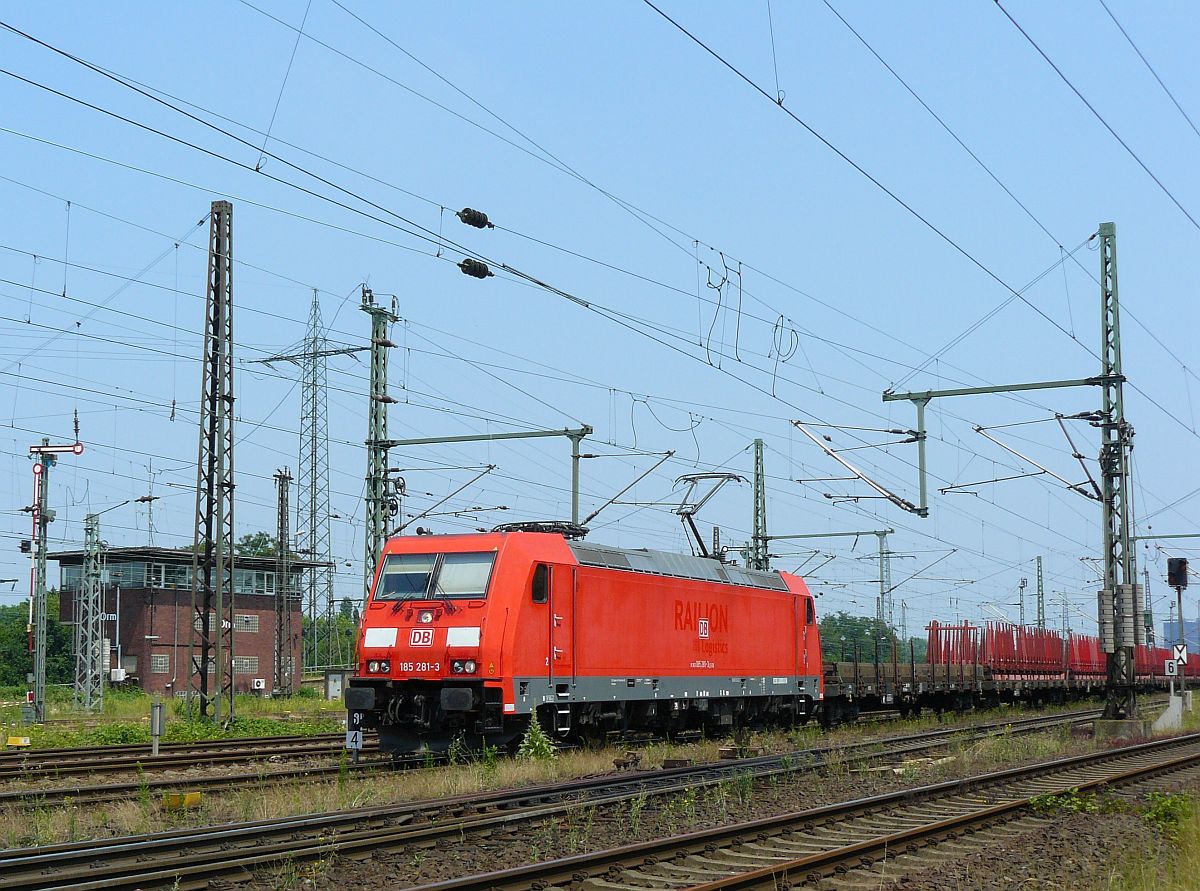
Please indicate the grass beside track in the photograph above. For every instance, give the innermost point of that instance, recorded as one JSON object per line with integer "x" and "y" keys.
{"x": 1180, "y": 827}
{"x": 126, "y": 719}
{"x": 64, "y": 821}
{"x": 1180, "y": 871}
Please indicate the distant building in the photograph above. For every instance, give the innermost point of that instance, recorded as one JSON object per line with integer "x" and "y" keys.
{"x": 1191, "y": 634}
{"x": 149, "y": 619}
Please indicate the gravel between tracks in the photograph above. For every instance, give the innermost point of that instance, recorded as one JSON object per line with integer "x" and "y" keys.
{"x": 594, "y": 828}
{"x": 1078, "y": 851}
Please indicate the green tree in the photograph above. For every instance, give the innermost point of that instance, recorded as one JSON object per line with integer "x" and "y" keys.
{"x": 256, "y": 544}
{"x": 337, "y": 649}
{"x": 841, "y": 631}
{"x": 15, "y": 659}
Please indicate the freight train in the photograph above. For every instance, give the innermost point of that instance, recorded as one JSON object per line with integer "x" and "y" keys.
{"x": 470, "y": 637}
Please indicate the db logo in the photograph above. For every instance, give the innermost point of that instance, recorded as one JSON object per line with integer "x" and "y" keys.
{"x": 702, "y": 628}
{"x": 421, "y": 637}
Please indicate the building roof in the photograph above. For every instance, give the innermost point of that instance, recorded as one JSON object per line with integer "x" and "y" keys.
{"x": 178, "y": 555}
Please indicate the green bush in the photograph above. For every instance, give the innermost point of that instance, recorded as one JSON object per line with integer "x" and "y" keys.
{"x": 536, "y": 745}
{"x": 1070, "y": 802}
{"x": 1166, "y": 811}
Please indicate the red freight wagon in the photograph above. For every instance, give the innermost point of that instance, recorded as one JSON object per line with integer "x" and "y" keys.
{"x": 472, "y": 635}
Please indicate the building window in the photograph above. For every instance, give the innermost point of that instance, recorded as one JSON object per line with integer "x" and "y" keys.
{"x": 177, "y": 575}
{"x": 245, "y": 664}
{"x": 160, "y": 664}
{"x": 71, "y": 577}
{"x": 134, "y": 575}
{"x": 245, "y": 623}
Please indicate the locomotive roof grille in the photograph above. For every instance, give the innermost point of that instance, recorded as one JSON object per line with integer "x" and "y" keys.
{"x": 675, "y": 565}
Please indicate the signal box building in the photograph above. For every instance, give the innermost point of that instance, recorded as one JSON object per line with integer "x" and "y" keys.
{"x": 149, "y": 620}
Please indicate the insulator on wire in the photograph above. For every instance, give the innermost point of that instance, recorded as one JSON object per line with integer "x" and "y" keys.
{"x": 475, "y": 268}
{"x": 476, "y": 218}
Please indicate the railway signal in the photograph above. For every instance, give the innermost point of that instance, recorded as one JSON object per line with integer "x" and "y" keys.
{"x": 1177, "y": 578}
{"x": 1177, "y": 570}
{"x": 45, "y": 456}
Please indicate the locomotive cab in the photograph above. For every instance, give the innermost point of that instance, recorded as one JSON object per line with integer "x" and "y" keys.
{"x": 422, "y": 668}
{"x": 431, "y": 656}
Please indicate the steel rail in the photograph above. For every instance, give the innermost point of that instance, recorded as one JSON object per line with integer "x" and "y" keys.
{"x": 189, "y": 858}
{"x": 694, "y": 861}
{"x": 49, "y": 767}
{"x": 110, "y": 791}
{"x": 21, "y": 754}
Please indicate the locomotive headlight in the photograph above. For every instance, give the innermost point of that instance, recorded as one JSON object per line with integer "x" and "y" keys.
{"x": 469, "y": 666}
{"x": 373, "y": 666}
{"x": 456, "y": 667}
{"x": 425, "y": 616}
{"x": 385, "y": 667}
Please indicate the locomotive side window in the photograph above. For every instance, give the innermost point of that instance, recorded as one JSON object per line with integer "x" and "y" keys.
{"x": 541, "y": 583}
{"x": 810, "y": 612}
{"x": 405, "y": 576}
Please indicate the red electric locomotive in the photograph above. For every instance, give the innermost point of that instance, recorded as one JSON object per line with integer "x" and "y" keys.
{"x": 472, "y": 636}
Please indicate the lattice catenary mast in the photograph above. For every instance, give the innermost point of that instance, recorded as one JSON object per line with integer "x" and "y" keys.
{"x": 1120, "y": 599}
{"x": 1120, "y": 605}
{"x": 210, "y": 647}
{"x": 379, "y": 497}
{"x": 284, "y": 669}
{"x": 759, "y": 556}
{"x": 89, "y": 651}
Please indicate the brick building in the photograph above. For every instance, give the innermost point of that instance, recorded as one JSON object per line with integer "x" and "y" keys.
{"x": 149, "y": 619}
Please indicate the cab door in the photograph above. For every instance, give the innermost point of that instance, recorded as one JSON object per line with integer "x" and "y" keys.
{"x": 808, "y": 633}
{"x": 563, "y": 583}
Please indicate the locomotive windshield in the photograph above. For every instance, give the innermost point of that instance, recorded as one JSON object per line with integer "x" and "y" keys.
{"x": 435, "y": 576}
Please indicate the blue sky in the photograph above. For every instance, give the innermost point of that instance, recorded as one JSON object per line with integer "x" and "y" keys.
{"x": 625, "y": 166}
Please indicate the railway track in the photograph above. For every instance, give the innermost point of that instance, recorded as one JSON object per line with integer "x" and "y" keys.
{"x": 189, "y": 859}
{"x": 108, "y": 790}
{"x": 809, "y": 846}
{"x": 35, "y": 764}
